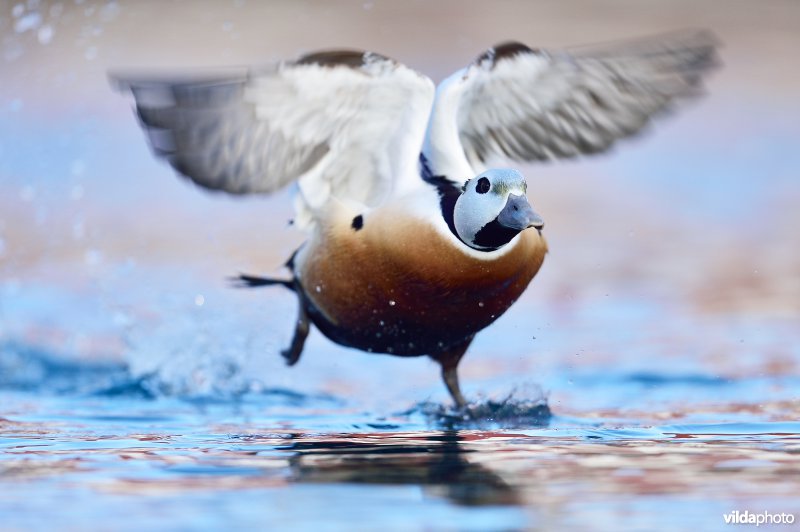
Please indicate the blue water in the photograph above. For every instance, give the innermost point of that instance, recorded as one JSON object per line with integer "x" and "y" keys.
{"x": 193, "y": 433}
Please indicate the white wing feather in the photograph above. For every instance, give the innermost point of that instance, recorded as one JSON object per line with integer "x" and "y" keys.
{"x": 520, "y": 104}
{"x": 344, "y": 125}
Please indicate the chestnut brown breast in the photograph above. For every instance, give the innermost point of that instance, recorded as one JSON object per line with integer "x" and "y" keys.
{"x": 399, "y": 286}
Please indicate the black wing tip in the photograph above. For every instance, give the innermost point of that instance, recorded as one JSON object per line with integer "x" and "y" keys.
{"x": 503, "y": 50}
{"x": 510, "y": 49}
{"x": 350, "y": 58}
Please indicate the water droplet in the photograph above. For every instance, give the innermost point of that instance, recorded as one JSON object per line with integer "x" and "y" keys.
{"x": 78, "y": 167}
{"x": 18, "y": 10}
{"x": 109, "y": 11}
{"x": 199, "y": 300}
{"x": 392, "y": 303}
{"x": 480, "y": 304}
{"x": 121, "y": 319}
{"x": 28, "y": 22}
{"x": 76, "y": 193}
{"x": 318, "y": 288}
{"x": 92, "y": 257}
{"x": 45, "y": 34}
{"x": 382, "y": 323}
{"x": 28, "y": 193}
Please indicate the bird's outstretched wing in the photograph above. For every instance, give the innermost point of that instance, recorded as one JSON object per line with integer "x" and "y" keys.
{"x": 343, "y": 124}
{"x": 523, "y": 104}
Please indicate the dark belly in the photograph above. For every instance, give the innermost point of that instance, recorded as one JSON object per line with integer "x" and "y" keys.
{"x": 412, "y": 324}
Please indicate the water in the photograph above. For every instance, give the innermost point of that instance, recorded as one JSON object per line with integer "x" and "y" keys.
{"x": 204, "y": 466}
{"x": 198, "y": 438}
{"x": 647, "y": 380}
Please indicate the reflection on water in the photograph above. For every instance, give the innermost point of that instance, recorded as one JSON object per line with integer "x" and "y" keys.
{"x": 436, "y": 461}
{"x": 254, "y": 468}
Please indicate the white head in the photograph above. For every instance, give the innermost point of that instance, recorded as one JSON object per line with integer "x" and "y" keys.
{"x": 493, "y": 209}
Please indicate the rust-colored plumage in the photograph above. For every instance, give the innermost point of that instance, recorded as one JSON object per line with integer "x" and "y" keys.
{"x": 401, "y": 287}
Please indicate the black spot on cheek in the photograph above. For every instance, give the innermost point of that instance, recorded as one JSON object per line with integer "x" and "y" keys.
{"x": 358, "y": 222}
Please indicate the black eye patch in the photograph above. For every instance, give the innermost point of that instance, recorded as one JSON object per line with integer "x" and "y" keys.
{"x": 483, "y": 186}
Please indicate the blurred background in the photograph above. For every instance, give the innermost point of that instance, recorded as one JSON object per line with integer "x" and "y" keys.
{"x": 663, "y": 329}
{"x": 675, "y": 255}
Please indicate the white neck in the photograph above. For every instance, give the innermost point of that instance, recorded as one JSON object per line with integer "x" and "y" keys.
{"x": 442, "y": 145}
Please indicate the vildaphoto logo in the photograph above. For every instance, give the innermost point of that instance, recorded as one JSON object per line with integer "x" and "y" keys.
{"x": 763, "y": 518}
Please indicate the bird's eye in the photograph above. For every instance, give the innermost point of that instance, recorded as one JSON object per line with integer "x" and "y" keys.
{"x": 483, "y": 186}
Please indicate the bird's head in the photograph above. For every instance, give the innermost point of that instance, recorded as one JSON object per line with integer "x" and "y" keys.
{"x": 492, "y": 209}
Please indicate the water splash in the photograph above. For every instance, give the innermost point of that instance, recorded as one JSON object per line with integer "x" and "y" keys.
{"x": 512, "y": 412}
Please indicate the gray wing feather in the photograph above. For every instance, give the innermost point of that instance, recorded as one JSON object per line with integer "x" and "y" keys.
{"x": 209, "y": 132}
{"x": 342, "y": 124}
{"x": 529, "y": 105}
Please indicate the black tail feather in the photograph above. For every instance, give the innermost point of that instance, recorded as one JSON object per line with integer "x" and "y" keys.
{"x": 251, "y": 281}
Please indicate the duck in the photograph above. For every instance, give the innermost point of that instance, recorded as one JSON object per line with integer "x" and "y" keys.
{"x": 420, "y": 233}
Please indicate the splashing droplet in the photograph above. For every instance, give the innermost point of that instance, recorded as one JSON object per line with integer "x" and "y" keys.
{"x": 45, "y": 34}
{"x": 392, "y": 303}
{"x": 31, "y": 21}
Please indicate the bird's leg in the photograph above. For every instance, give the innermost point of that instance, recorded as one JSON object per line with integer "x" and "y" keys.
{"x": 292, "y": 355}
{"x": 252, "y": 281}
{"x": 449, "y": 361}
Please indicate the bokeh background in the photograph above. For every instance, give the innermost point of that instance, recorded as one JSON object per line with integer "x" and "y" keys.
{"x": 682, "y": 240}
{"x": 671, "y": 294}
